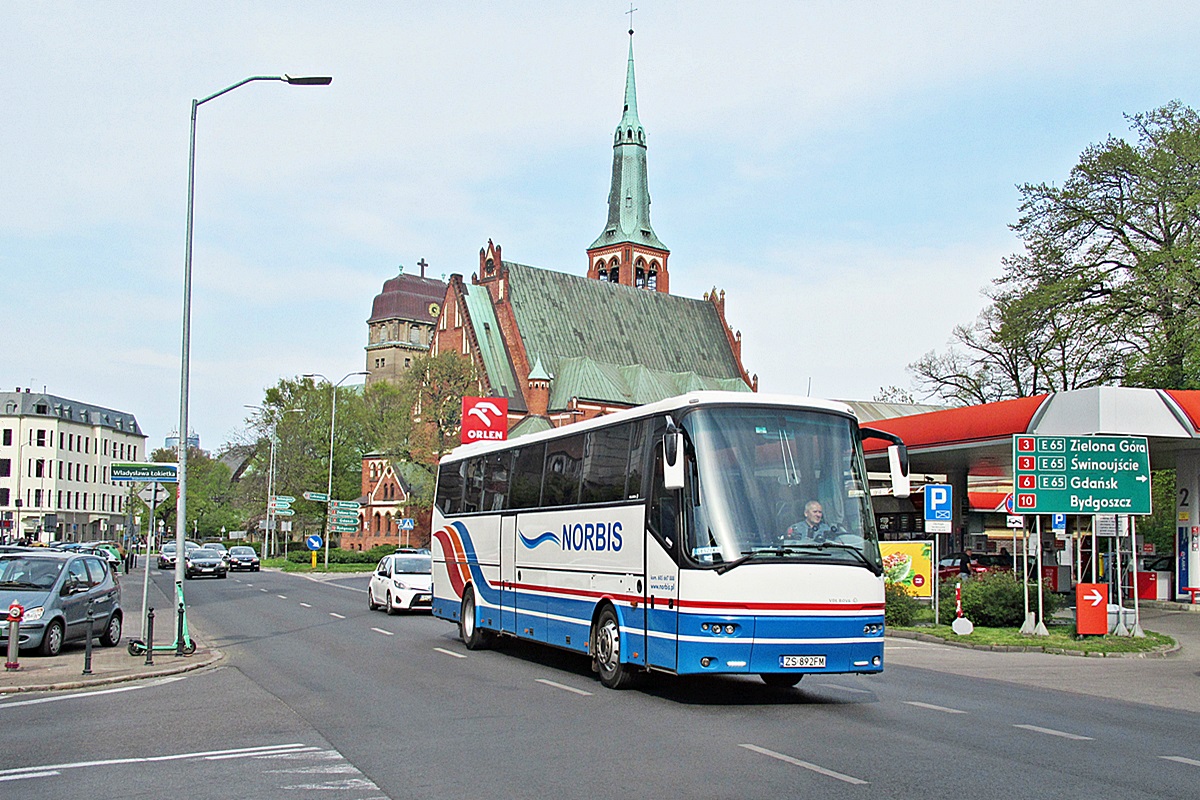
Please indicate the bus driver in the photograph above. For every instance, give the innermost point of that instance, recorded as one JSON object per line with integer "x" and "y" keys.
{"x": 813, "y": 527}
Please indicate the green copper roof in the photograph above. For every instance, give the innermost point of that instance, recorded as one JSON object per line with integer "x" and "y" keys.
{"x": 604, "y": 341}
{"x": 629, "y": 196}
{"x": 496, "y": 363}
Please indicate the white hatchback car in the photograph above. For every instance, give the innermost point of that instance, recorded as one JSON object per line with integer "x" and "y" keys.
{"x": 402, "y": 581}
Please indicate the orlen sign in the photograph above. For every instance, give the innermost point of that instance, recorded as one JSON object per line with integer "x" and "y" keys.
{"x": 484, "y": 419}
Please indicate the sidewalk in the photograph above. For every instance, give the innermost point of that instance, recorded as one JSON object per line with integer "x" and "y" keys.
{"x": 111, "y": 664}
{"x": 1168, "y": 682}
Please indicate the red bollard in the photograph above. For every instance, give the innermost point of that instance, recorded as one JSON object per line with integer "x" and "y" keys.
{"x": 15, "y": 613}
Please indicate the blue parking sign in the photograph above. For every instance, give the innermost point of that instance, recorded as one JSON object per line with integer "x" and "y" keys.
{"x": 1058, "y": 522}
{"x": 939, "y": 502}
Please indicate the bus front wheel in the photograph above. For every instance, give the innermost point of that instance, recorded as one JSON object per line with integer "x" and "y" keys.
{"x": 606, "y": 651}
{"x": 474, "y": 637}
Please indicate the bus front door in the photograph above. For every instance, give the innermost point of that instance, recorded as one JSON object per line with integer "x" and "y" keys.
{"x": 662, "y": 604}
{"x": 508, "y": 572}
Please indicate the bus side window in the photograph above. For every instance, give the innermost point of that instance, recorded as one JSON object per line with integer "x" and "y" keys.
{"x": 639, "y": 445}
{"x": 526, "y": 491}
{"x": 564, "y": 459}
{"x": 495, "y": 481}
{"x": 449, "y": 489}
{"x": 473, "y": 489}
{"x": 605, "y": 464}
{"x": 664, "y": 508}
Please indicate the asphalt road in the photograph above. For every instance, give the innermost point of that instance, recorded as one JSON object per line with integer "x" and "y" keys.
{"x": 343, "y": 702}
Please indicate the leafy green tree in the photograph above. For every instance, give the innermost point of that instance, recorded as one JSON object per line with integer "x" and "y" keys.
{"x": 209, "y": 492}
{"x": 1105, "y": 290}
{"x": 438, "y": 385}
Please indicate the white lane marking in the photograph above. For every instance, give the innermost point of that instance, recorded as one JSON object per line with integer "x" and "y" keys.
{"x": 262, "y": 590}
{"x": 339, "y": 616}
{"x": 806, "y": 765}
{"x": 845, "y": 688}
{"x": 305, "y": 605}
{"x": 38, "y": 701}
{"x": 261, "y": 750}
{"x": 932, "y": 707}
{"x": 1052, "y": 732}
{"x": 1182, "y": 760}
{"x": 282, "y": 596}
{"x": 564, "y": 687}
{"x": 256, "y": 754}
{"x": 449, "y": 652}
{"x": 381, "y": 630}
{"x": 47, "y": 774}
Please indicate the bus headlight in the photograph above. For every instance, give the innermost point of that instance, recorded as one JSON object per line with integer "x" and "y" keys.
{"x": 872, "y": 629}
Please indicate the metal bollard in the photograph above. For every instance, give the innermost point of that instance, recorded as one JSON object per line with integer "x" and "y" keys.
{"x": 87, "y": 646}
{"x": 179, "y": 633}
{"x": 150, "y": 637}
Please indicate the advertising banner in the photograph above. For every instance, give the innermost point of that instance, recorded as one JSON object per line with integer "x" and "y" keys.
{"x": 909, "y": 564}
{"x": 484, "y": 419}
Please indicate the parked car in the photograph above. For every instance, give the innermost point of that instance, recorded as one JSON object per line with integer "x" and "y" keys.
{"x": 203, "y": 561}
{"x": 56, "y": 589}
{"x": 243, "y": 557}
{"x": 980, "y": 562}
{"x": 102, "y": 549}
{"x": 401, "y": 581}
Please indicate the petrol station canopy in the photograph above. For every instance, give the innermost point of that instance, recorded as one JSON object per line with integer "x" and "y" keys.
{"x": 977, "y": 440}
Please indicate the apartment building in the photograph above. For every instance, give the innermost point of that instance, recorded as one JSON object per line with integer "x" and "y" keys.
{"x": 55, "y": 455}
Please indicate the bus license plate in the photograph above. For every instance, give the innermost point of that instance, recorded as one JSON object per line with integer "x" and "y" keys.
{"x": 793, "y": 662}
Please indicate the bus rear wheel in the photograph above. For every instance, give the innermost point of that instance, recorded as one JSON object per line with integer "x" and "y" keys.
{"x": 606, "y": 652}
{"x": 474, "y": 637}
{"x": 780, "y": 680}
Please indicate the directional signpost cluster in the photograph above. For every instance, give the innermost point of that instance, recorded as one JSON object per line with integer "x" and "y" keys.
{"x": 1062, "y": 475}
{"x": 342, "y": 516}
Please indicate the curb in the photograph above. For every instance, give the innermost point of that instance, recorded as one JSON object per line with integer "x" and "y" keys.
{"x": 1057, "y": 651}
{"x": 213, "y": 657}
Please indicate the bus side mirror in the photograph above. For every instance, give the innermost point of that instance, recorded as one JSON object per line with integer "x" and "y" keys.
{"x": 673, "y": 460}
{"x": 898, "y": 466}
{"x": 897, "y": 459}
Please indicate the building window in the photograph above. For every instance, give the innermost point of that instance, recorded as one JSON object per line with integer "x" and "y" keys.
{"x": 3, "y": 497}
{"x": 5, "y": 467}
{"x": 37, "y": 498}
{"x": 8, "y": 436}
{"x": 39, "y": 468}
{"x": 414, "y": 335}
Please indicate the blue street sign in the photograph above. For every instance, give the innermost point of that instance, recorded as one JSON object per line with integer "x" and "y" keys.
{"x": 939, "y": 501}
{"x": 406, "y": 524}
{"x": 313, "y": 541}
{"x": 1058, "y": 522}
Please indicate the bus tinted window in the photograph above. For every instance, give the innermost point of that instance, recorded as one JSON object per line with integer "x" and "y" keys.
{"x": 496, "y": 471}
{"x": 526, "y": 485}
{"x": 473, "y": 488}
{"x": 564, "y": 460}
{"x": 449, "y": 488}
{"x": 640, "y": 446}
{"x": 605, "y": 463}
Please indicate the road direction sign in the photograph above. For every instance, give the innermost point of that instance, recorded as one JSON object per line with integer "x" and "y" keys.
{"x": 351, "y": 504}
{"x": 316, "y": 497}
{"x": 343, "y": 519}
{"x": 283, "y": 512}
{"x": 939, "y": 508}
{"x": 284, "y": 498}
{"x": 313, "y": 541}
{"x": 1081, "y": 474}
{"x": 343, "y": 528}
{"x": 126, "y": 471}
{"x": 1091, "y": 609}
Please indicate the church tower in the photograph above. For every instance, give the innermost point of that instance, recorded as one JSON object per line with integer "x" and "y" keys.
{"x": 628, "y": 251}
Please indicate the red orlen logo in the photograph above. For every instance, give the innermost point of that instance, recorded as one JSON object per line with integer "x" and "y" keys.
{"x": 484, "y": 419}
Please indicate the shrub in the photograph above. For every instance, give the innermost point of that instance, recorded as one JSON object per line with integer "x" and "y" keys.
{"x": 993, "y": 600}
{"x": 901, "y": 607}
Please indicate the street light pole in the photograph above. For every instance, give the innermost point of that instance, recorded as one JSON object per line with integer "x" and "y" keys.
{"x": 181, "y": 503}
{"x": 332, "y": 423}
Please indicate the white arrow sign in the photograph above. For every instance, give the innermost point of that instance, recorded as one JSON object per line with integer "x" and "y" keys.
{"x": 1095, "y": 597}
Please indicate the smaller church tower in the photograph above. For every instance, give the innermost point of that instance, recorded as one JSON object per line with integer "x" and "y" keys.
{"x": 401, "y": 325}
{"x": 628, "y": 251}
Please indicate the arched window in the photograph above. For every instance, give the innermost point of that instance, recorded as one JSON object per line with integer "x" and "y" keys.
{"x": 639, "y": 274}
{"x": 652, "y": 281}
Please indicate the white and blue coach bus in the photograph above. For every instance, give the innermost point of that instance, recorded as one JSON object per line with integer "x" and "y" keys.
{"x": 672, "y": 537}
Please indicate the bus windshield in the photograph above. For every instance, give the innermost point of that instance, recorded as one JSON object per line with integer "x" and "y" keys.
{"x": 776, "y": 484}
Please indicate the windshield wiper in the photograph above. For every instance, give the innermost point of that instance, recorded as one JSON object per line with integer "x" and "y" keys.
{"x": 747, "y": 555}
{"x": 20, "y": 584}
{"x": 875, "y": 570}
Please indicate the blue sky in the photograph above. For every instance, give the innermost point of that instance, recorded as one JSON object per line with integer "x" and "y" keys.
{"x": 845, "y": 171}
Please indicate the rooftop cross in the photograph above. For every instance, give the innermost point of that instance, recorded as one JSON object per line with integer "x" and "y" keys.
{"x": 422, "y": 264}
{"x": 630, "y": 13}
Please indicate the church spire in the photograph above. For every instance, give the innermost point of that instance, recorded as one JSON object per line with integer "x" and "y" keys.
{"x": 628, "y": 251}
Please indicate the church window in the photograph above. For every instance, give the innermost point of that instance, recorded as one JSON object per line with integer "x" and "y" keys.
{"x": 602, "y": 274}
{"x": 614, "y": 274}
{"x": 414, "y": 335}
{"x": 639, "y": 278}
{"x": 652, "y": 281}
{"x": 489, "y": 267}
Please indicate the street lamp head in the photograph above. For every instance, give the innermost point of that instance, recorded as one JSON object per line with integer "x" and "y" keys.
{"x": 309, "y": 80}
